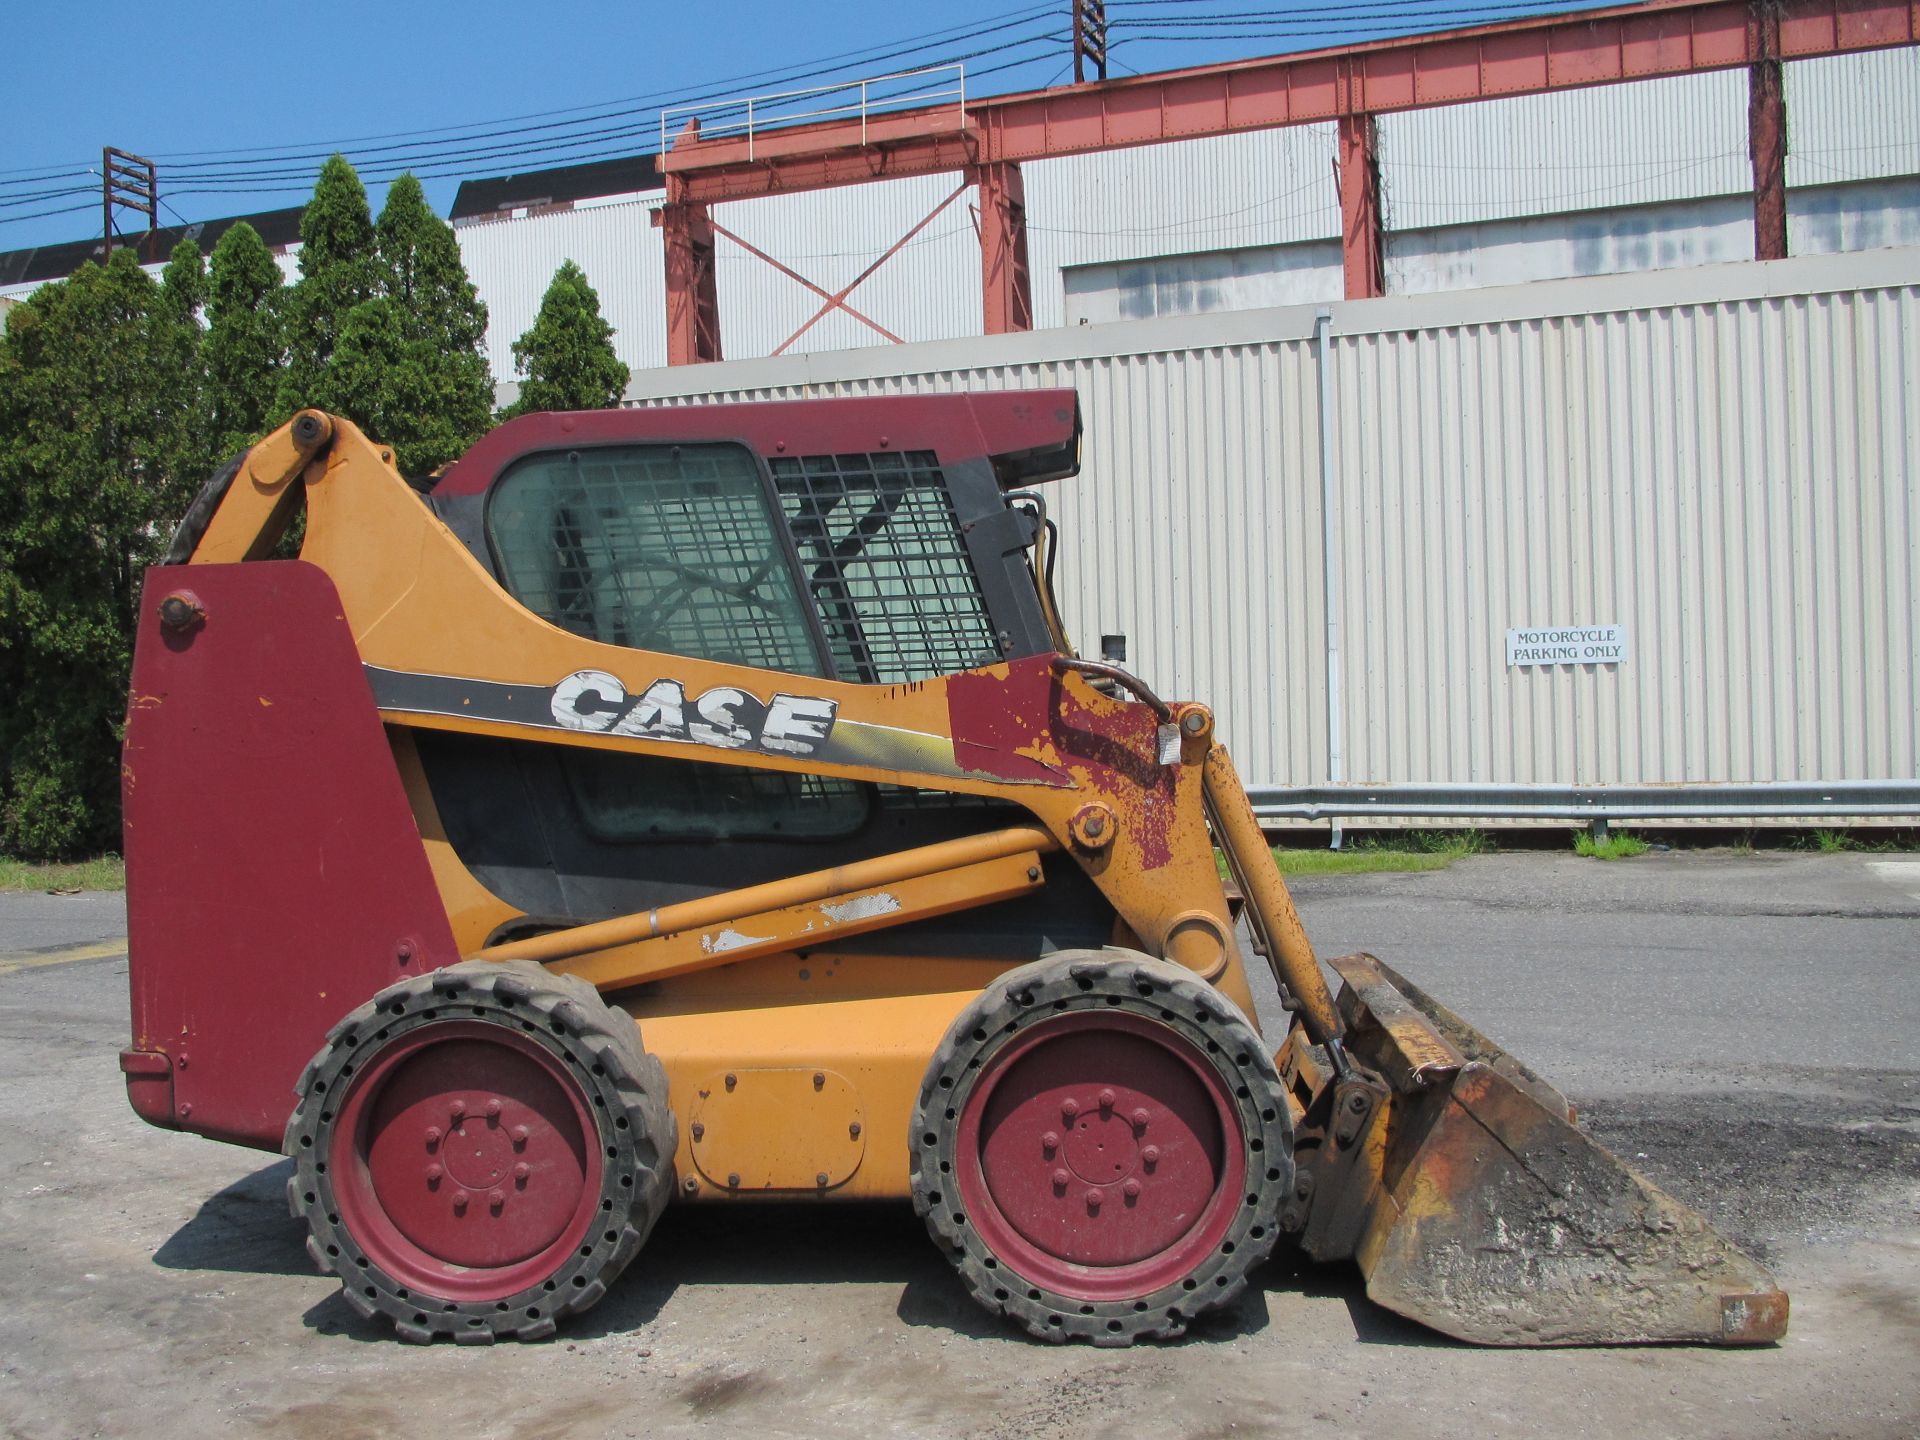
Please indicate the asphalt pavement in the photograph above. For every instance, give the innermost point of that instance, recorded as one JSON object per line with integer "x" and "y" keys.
{"x": 1741, "y": 1028}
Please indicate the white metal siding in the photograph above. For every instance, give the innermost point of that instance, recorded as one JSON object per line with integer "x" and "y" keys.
{"x": 1189, "y": 529}
{"x": 1270, "y": 188}
{"x": 1853, "y": 117}
{"x": 1726, "y": 480}
{"x": 1725, "y": 460}
{"x": 512, "y": 263}
{"x": 1638, "y": 143}
{"x": 930, "y": 290}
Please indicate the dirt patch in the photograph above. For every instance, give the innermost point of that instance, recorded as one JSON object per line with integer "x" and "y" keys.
{"x": 1773, "y": 1171}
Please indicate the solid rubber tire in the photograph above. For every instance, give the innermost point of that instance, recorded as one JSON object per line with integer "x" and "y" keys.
{"x": 601, "y": 1049}
{"x": 1217, "y": 1032}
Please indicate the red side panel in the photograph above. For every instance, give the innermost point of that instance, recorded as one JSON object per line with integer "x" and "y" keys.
{"x": 275, "y": 877}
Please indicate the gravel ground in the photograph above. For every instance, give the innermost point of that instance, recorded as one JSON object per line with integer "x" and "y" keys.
{"x": 1741, "y": 1029}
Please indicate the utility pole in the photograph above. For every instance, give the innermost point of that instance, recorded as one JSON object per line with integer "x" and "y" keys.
{"x": 1089, "y": 39}
{"x": 1767, "y": 132}
{"x": 131, "y": 182}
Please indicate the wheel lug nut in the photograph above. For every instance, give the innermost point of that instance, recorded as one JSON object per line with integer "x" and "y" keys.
{"x": 1050, "y": 1141}
{"x": 460, "y": 1198}
{"x": 1150, "y": 1155}
{"x": 1060, "y": 1179}
{"x": 522, "y": 1171}
{"x": 493, "y": 1109}
{"x": 433, "y": 1136}
{"x": 1093, "y": 1201}
{"x": 457, "y": 1109}
{"x": 1131, "y": 1189}
{"x": 1069, "y": 1109}
{"x": 434, "y": 1172}
{"x": 521, "y": 1134}
{"x": 1140, "y": 1118}
{"x": 496, "y": 1198}
{"x": 1106, "y": 1099}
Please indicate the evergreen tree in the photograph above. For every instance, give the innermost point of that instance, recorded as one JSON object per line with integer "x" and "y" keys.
{"x": 567, "y": 359}
{"x": 339, "y": 269}
{"x": 183, "y": 284}
{"x": 437, "y": 395}
{"x": 183, "y": 294}
{"x": 373, "y": 384}
{"x": 245, "y": 345}
{"x": 93, "y": 423}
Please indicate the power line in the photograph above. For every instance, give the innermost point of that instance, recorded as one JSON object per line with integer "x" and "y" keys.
{"x": 33, "y": 174}
{"x": 459, "y": 149}
{"x": 79, "y": 174}
{"x": 38, "y": 195}
{"x": 613, "y": 107}
{"x": 1372, "y": 19}
{"x": 1333, "y": 8}
{"x": 525, "y": 149}
{"x": 540, "y": 153}
{"x": 583, "y": 140}
{"x": 645, "y": 105}
{"x": 43, "y": 214}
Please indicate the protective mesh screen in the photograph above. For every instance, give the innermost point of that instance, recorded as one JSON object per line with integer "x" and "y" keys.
{"x": 887, "y": 564}
{"x": 656, "y": 547}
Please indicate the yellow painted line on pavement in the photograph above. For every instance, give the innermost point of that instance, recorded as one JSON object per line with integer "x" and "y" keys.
{"x": 34, "y": 960}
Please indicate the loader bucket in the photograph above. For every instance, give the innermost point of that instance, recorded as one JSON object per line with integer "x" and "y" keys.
{"x": 1487, "y": 1215}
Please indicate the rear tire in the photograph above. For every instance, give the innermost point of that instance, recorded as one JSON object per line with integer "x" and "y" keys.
{"x": 480, "y": 1151}
{"x": 1100, "y": 1148}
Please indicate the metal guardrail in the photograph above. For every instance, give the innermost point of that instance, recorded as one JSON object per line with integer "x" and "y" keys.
{"x": 1584, "y": 804}
{"x": 749, "y": 115}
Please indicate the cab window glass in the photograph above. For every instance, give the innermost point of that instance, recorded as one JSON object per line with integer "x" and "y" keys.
{"x": 653, "y": 547}
{"x": 671, "y": 548}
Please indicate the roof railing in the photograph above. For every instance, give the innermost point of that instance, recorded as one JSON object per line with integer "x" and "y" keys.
{"x": 752, "y": 115}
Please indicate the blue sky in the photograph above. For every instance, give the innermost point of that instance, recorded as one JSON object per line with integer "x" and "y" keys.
{"x": 211, "y": 89}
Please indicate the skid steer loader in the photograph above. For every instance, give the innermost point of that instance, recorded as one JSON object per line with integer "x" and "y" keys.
{"x": 705, "y": 805}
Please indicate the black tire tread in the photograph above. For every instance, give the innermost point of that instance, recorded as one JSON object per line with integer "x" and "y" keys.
{"x": 1157, "y": 989}
{"x": 567, "y": 1016}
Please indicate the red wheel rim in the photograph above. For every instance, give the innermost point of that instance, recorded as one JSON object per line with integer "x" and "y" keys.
{"x": 1100, "y": 1156}
{"x": 466, "y": 1161}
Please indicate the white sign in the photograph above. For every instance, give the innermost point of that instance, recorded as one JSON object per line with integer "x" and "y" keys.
{"x": 1568, "y": 645}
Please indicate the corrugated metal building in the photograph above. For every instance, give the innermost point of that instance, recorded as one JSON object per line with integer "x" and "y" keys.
{"x": 1492, "y": 193}
{"x": 1723, "y": 460}
{"x": 1579, "y": 405}
{"x": 1622, "y": 177}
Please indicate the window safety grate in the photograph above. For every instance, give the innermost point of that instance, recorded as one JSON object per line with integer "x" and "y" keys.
{"x": 887, "y": 564}
{"x": 658, "y": 547}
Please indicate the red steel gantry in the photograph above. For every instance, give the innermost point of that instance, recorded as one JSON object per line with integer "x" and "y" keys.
{"x": 987, "y": 139}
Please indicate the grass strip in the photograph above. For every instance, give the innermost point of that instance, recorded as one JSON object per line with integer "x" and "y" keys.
{"x": 103, "y": 872}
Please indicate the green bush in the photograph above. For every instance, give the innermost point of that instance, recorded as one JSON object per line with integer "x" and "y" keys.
{"x": 116, "y": 406}
{"x": 98, "y": 444}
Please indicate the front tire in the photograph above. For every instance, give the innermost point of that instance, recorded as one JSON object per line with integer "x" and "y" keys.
{"x": 480, "y": 1151}
{"x": 1100, "y": 1148}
